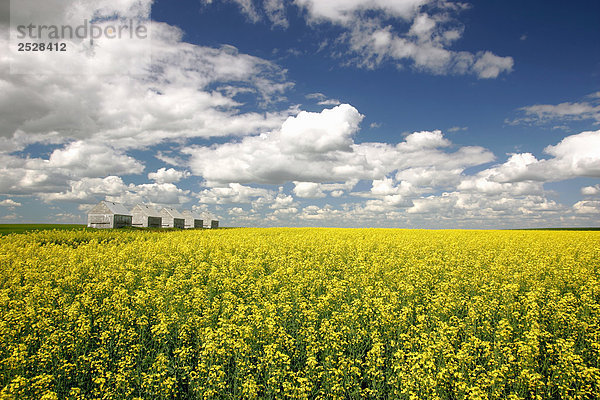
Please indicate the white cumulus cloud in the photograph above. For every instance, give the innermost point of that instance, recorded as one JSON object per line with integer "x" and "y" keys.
{"x": 587, "y": 207}
{"x": 540, "y": 114}
{"x": 414, "y": 32}
{"x": 319, "y": 148}
{"x": 330, "y": 130}
{"x": 182, "y": 91}
{"x": 171, "y": 175}
{"x": 9, "y": 203}
{"x": 590, "y": 190}
{"x": 308, "y": 190}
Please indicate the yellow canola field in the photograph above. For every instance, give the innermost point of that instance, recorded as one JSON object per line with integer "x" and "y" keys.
{"x": 300, "y": 313}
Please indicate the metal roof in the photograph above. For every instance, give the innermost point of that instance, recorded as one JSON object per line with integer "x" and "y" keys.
{"x": 192, "y": 214}
{"x": 173, "y": 213}
{"x": 146, "y": 210}
{"x": 113, "y": 208}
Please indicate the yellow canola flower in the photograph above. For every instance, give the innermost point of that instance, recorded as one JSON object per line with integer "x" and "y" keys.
{"x": 300, "y": 313}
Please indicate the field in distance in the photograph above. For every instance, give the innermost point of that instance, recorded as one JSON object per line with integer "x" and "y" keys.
{"x": 6, "y": 229}
{"x": 300, "y": 313}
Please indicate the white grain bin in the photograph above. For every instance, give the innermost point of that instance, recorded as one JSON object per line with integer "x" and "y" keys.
{"x": 146, "y": 216}
{"x": 171, "y": 218}
{"x": 108, "y": 214}
{"x": 192, "y": 220}
{"x": 214, "y": 224}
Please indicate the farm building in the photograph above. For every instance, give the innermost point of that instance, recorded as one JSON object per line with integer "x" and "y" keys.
{"x": 192, "y": 220}
{"x": 171, "y": 218}
{"x": 146, "y": 216}
{"x": 108, "y": 214}
{"x": 214, "y": 224}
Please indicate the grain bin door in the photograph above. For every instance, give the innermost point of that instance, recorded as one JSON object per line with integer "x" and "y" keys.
{"x": 154, "y": 222}
{"x": 99, "y": 221}
{"x": 122, "y": 221}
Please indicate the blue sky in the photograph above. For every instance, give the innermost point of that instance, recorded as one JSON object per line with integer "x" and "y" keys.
{"x": 379, "y": 113}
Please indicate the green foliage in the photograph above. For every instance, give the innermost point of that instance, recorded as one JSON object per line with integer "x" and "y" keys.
{"x": 6, "y": 229}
